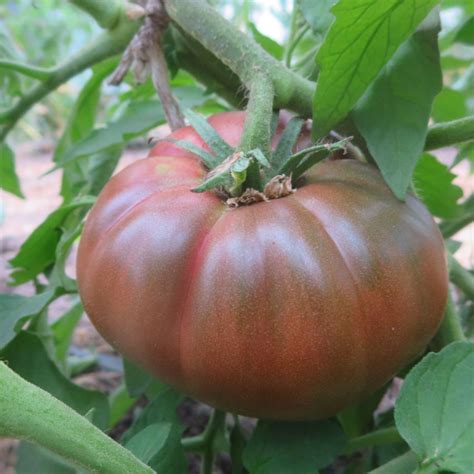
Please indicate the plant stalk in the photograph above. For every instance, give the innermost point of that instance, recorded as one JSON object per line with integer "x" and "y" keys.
{"x": 29, "y": 413}
{"x": 450, "y": 133}
{"x": 450, "y": 329}
{"x": 461, "y": 277}
{"x": 257, "y": 127}
{"x": 106, "y": 13}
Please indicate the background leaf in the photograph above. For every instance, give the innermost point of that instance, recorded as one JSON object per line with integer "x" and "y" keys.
{"x": 9, "y": 180}
{"x": 16, "y": 309}
{"x": 364, "y": 36}
{"x": 317, "y": 14}
{"x": 302, "y": 447}
{"x": 393, "y": 114}
{"x": 434, "y": 411}
{"x": 39, "y": 249}
{"x": 433, "y": 182}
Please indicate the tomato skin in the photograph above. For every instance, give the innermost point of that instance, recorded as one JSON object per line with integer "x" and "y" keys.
{"x": 290, "y": 309}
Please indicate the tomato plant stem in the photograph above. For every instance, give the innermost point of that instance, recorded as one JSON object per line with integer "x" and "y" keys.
{"x": 106, "y": 14}
{"x": 375, "y": 438}
{"x": 450, "y": 329}
{"x": 461, "y": 277}
{"x": 28, "y": 412}
{"x": 449, "y": 133}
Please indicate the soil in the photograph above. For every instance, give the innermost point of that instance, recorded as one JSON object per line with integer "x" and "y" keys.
{"x": 19, "y": 217}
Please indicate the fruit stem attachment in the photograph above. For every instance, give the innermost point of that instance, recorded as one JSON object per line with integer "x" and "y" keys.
{"x": 257, "y": 127}
{"x": 29, "y": 413}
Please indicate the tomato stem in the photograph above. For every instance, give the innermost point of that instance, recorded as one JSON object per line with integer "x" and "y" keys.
{"x": 461, "y": 277}
{"x": 28, "y": 412}
{"x": 450, "y": 329}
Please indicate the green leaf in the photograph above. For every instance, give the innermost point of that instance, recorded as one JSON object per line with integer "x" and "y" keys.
{"x": 63, "y": 330}
{"x": 433, "y": 182}
{"x": 317, "y": 14}
{"x": 160, "y": 410}
{"x": 268, "y": 44}
{"x": 287, "y": 142}
{"x": 138, "y": 381}
{"x": 466, "y": 33}
{"x": 120, "y": 402}
{"x": 32, "y": 459}
{"x": 27, "y": 356}
{"x": 448, "y": 105}
{"x": 364, "y": 36}
{"x": 277, "y": 447}
{"x": 400, "y": 465}
{"x": 159, "y": 446}
{"x": 393, "y": 115}
{"x": 15, "y": 310}
{"x": 237, "y": 446}
{"x": 207, "y": 132}
{"x": 209, "y": 160}
{"x": 9, "y": 180}
{"x": 137, "y": 118}
{"x": 434, "y": 411}
{"x": 39, "y": 249}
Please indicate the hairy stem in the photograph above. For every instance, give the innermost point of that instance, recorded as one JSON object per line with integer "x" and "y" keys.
{"x": 29, "y": 71}
{"x": 452, "y": 226}
{"x": 29, "y": 413}
{"x": 257, "y": 127}
{"x": 241, "y": 53}
{"x": 105, "y": 12}
{"x": 450, "y": 133}
{"x": 375, "y": 438}
{"x": 461, "y": 277}
{"x": 450, "y": 329}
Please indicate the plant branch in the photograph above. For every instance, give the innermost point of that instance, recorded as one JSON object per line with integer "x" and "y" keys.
{"x": 30, "y": 71}
{"x": 240, "y": 53}
{"x": 106, "y": 45}
{"x": 29, "y": 413}
{"x": 375, "y": 438}
{"x": 450, "y": 329}
{"x": 461, "y": 277}
{"x": 106, "y": 13}
{"x": 257, "y": 127}
{"x": 450, "y": 227}
{"x": 450, "y": 133}
{"x": 291, "y": 34}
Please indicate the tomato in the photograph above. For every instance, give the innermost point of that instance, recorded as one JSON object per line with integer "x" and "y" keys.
{"x": 287, "y": 309}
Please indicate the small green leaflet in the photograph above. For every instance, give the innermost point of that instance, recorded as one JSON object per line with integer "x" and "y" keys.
{"x": 16, "y": 309}
{"x": 278, "y": 447}
{"x": 8, "y": 178}
{"x": 433, "y": 182}
{"x": 301, "y": 161}
{"x": 209, "y": 160}
{"x": 434, "y": 411}
{"x": 233, "y": 171}
{"x": 364, "y": 36}
{"x": 287, "y": 142}
{"x": 207, "y": 132}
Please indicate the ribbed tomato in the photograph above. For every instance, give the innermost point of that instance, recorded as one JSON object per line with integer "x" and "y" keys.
{"x": 288, "y": 309}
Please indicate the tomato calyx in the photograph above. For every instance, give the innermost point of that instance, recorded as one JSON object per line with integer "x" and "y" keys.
{"x": 230, "y": 167}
